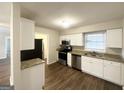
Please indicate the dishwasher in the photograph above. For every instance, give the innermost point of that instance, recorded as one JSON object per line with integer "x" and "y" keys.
{"x": 76, "y": 61}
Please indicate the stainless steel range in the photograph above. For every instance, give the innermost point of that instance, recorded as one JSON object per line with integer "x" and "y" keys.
{"x": 64, "y": 49}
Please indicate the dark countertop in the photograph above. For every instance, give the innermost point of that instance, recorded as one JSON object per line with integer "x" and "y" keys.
{"x": 30, "y": 63}
{"x": 103, "y": 56}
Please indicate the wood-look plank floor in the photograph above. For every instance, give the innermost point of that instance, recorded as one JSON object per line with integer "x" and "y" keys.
{"x": 4, "y": 72}
{"x": 60, "y": 77}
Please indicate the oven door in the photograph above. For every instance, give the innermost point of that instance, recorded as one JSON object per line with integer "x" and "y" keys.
{"x": 63, "y": 58}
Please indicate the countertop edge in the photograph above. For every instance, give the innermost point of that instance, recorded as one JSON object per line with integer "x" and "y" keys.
{"x": 28, "y": 64}
{"x": 103, "y": 58}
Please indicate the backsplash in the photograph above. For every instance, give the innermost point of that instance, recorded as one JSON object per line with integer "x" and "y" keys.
{"x": 78, "y": 47}
{"x": 115, "y": 51}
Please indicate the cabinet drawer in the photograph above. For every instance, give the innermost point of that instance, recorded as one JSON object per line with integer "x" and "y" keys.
{"x": 90, "y": 59}
{"x": 106, "y": 62}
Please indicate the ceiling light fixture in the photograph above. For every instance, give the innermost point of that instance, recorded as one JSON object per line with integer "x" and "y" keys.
{"x": 65, "y": 24}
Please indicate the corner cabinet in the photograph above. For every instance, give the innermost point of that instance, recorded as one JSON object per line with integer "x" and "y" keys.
{"x": 26, "y": 34}
{"x": 114, "y": 38}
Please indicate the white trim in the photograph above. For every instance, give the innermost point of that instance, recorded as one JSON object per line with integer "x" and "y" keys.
{"x": 123, "y": 87}
{"x": 51, "y": 62}
{"x": 93, "y": 33}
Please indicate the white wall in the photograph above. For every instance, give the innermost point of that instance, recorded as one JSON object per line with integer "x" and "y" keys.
{"x": 123, "y": 39}
{"x": 94, "y": 27}
{"x": 53, "y": 42}
{"x": 15, "y": 46}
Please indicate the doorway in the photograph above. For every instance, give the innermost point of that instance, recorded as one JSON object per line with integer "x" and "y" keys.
{"x": 4, "y": 56}
{"x": 5, "y": 9}
{"x": 45, "y": 49}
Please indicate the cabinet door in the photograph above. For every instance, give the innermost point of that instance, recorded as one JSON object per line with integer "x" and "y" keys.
{"x": 61, "y": 38}
{"x": 26, "y": 34}
{"x": 122, "y": 73}
{"x": 79, "y": 39}
{"x": 72, "y": 40}
{"x": 92, "y": 66}
{"x": 97, "y": 67}
{"x": 112, "y": 41}
{"x": 33, "y": 77}
{"x": 86, "y": 64}
{"x": 64, "y": 37}
{"x": 76, "y": 39}
{"x": 69, "y": 59}
{"x": 112, "y": 71}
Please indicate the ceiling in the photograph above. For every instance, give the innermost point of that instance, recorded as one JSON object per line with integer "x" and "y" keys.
{"x": 5, "y": 12}
{"x": 78, "y": 14}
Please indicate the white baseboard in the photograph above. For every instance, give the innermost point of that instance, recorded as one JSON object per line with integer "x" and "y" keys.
{"x": 51, "y": 62}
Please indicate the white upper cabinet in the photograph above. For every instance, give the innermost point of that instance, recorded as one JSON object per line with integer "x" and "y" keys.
{"x": 114, "y": 38}
{"x": 27, "y": 34}
{"x": 64, "y": 37}
{"x": 75, "y": 39}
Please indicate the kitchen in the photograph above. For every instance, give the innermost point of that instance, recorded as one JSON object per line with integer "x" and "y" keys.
{"x": 90, "y": 49}
{"x": 94, "y": 59}
{"x": 63, "y": 47}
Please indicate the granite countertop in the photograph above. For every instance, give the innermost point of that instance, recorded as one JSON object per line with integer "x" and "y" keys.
{"x": 30, "y": 63}
{"x": 105, "y": 56}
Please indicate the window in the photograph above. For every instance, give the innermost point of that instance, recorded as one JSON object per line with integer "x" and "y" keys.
{"x": 95, "y": 41}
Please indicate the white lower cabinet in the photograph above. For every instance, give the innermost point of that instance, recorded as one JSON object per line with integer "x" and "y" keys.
{"x": 33, "y": 77}
{"x": 69, "y": 59}
{"x": 92, "y": 65}
{"x": 122, "y": 73}
{"x": 108, "y": 70}
{"x": 112, "y": 71}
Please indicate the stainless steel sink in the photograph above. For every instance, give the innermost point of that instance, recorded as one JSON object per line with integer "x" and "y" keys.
{"x": 93, "y": 54}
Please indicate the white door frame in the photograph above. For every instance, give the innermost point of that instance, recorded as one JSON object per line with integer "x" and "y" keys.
{"x": 46, "y": 50}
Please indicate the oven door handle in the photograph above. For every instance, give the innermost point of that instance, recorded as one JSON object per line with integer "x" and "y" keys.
{"x": 62, "y": 52}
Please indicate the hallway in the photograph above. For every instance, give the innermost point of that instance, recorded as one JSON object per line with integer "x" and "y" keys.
{"x": 4, "y": 71}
